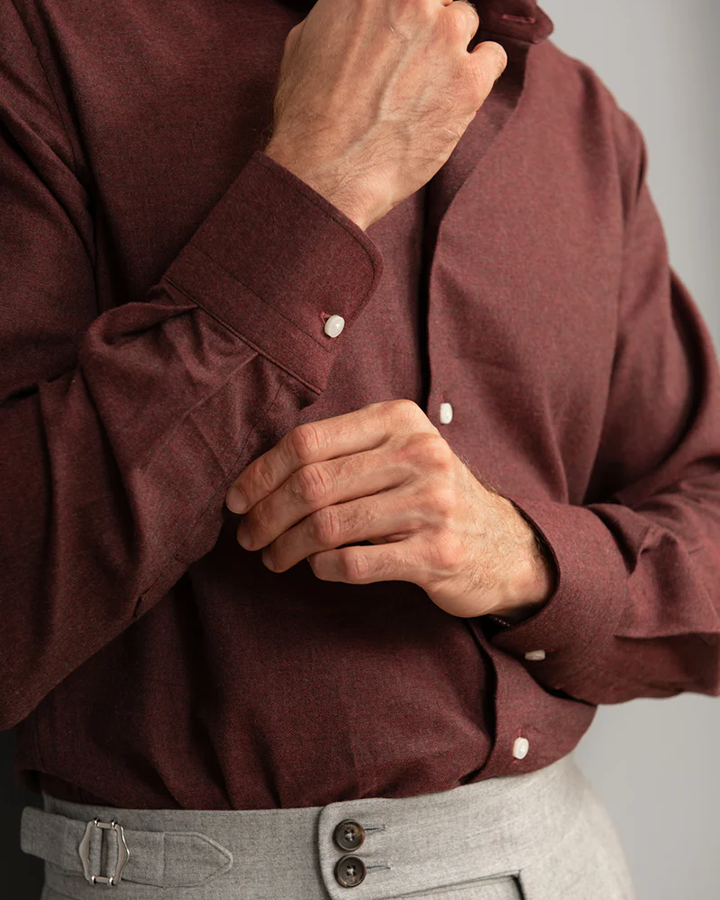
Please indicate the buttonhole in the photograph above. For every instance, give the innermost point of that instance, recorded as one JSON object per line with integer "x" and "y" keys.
{"x": 524, "y": 20}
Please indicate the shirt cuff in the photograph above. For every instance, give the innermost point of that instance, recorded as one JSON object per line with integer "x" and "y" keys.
{"x": 567, "y": 635}
{"x": 272, "y": 261}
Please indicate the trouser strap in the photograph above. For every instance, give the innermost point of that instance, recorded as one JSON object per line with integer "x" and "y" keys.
{"x": 106, "y": 852}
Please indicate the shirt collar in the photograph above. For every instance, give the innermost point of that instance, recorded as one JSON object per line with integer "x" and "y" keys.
{"x": 519, "y": 19}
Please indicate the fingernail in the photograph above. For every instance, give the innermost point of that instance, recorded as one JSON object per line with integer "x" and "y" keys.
{"x": 235, "y": 500}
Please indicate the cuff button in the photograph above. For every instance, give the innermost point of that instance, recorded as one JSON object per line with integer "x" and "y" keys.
{"x": 535, "y": 654}
{"x": 334, "y": 325}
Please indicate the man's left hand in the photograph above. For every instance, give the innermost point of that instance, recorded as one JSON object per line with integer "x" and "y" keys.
{"x": 385, "y": 474}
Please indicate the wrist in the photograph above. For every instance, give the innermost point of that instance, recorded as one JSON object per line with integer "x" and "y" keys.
{"x": 348, "y": 198}
{"x": 532, "y": 579}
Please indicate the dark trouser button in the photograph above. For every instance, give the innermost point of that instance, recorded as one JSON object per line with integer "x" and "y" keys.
{"x": 349, "y": 835}
{"x": 349, "y": 871}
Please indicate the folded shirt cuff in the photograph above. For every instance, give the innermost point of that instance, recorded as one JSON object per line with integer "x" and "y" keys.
{"x": 568, "y": 634}
{"x": 272, "y": 261}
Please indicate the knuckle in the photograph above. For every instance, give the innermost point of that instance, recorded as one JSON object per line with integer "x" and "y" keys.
{"x": 304, "y": 442}
{"x": 325, "y": 526}
{"x": 449, "y": 24}
{"x": 403, "y": 410}
{"x": 266, "y": 479}
{"x": 313, "y": 482}
{"x": 260, "y": 520}
{"x": 443, "y": 499}
{"x": 440, "y": 453}
{"x": 415, "y": 448}
{"x": 419, "y": 10}
{"x": 430, "y": 450}
{"x": 353, "y": 565}
{"x": 459, "y": 19}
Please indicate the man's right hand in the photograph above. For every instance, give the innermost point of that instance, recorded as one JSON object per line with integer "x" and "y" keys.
{"x": 374, "y": 95}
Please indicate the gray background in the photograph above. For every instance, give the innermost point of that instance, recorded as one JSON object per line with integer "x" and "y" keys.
{"x": 654, "y": 762}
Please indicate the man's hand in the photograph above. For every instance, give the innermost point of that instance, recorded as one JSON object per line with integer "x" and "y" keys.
{"x": 374, "y": 95}
{"x": 385, "y": 474}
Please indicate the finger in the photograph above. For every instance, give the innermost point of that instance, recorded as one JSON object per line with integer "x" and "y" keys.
{"x": 390, "y": 512}
{"x": 468, "y": 16}
{"x": 319, "y": 485}
{"x": 489, "y": 60}
{"x": 365, "y": 565}
{"x": 312, "y": 442}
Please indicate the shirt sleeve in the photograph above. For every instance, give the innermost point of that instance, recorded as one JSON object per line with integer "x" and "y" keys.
{"x": 636, "y": 607}
{"x": 121, "y": 429}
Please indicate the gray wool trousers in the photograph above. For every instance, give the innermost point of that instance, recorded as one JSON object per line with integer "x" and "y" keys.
{"x": 543, "y": 835}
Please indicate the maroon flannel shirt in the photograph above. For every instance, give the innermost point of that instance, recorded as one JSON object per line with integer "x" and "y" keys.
{"x": 163, "y": 290}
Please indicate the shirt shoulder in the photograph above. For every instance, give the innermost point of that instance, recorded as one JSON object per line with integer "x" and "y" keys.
{"x": 33, "y": 98}
{"x": 571, "y": 97}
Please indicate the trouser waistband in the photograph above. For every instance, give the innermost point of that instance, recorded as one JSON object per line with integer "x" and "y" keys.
{"x": 370, "y": 848}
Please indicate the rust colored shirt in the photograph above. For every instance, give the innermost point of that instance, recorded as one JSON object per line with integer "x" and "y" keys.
{"x": 163, "y": 291}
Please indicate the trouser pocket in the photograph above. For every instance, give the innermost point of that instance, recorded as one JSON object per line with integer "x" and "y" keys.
{"x": 495, "y": 888}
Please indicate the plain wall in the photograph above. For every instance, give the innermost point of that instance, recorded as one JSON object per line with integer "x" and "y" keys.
{"x": 654, "y": 762}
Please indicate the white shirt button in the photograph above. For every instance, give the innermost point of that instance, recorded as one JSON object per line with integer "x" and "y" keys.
{"x": 521, "y": 747}
{"x": 446, "y": 413}
{"x": 535, "y": 654}
{"x": 334, "y": 326}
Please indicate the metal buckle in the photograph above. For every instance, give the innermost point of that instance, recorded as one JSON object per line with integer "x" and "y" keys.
{"x": 123, "y": 854}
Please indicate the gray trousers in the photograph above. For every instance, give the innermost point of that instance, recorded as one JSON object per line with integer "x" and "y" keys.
{"x": 538, "y": 836}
